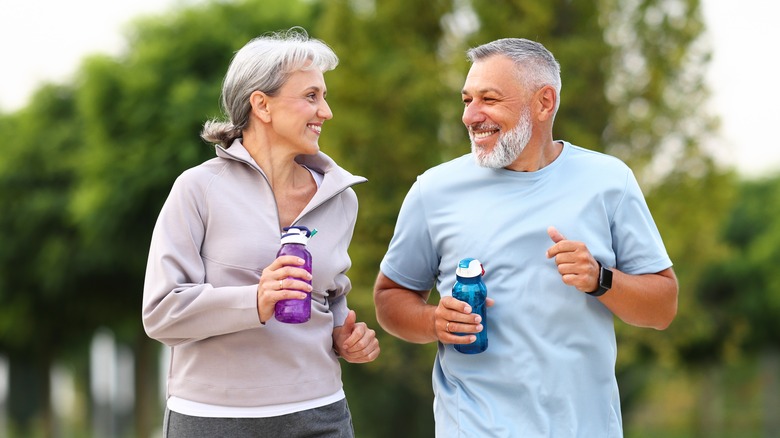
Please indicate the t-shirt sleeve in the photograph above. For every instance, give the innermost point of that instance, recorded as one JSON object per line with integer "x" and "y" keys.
{"x": 411, "y": 259}
{"x": 637, "y": 242}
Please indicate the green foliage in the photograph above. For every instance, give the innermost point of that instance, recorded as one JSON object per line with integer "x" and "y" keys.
{"x": 38, "y": 268}
{"x": 656, "y": 84}
{"x": 741, "y": 292}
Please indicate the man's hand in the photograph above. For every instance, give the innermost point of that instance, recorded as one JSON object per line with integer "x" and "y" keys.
{"x": 453, "y": 316}
{"x": 575, "y": 263}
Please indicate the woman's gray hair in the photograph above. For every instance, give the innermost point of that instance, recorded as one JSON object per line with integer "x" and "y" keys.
{"x": 536, "y": 66}
{"x": 264, "y": 64}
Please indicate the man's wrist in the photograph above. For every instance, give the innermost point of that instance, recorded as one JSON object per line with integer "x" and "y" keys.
{"x": 604, "y": 281}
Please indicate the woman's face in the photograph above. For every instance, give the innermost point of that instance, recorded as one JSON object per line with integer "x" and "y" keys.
{"x": 299, "y": 110}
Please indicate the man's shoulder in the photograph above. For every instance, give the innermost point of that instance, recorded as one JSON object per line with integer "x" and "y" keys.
{"x": 582, "y": 154}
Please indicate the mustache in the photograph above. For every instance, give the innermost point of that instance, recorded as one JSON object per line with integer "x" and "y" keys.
{"x": 482, "y": 126}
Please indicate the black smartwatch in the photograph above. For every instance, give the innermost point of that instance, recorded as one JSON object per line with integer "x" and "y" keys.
{"x": 605, "y": 281}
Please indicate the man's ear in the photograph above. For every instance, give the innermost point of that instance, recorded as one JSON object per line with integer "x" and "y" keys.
{"x": 546, "y": 98}
{"x": 259, "y": 102}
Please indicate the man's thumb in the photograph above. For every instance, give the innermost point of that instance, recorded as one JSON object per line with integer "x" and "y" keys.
{"x": 555, "y": 235}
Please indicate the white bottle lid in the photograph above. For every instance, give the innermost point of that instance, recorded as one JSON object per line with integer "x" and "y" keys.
{"x": 469, "y": 268}
{"x": 296, "y": 235}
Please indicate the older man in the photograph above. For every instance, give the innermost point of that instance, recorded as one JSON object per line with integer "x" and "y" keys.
{"x": 567, "y": 242}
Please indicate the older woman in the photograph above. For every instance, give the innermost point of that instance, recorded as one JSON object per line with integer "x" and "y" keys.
{"x": 213, "y": 277}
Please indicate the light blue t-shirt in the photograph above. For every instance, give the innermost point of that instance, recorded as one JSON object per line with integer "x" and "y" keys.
{"x": 549, "y": 370}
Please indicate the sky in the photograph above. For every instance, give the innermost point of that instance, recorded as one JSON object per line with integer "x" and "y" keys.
{"x": 743, "y": 80}
{"x": 45, "y": 40}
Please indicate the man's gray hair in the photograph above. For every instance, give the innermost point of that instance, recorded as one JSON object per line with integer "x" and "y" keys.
{"x": 264, "y": 64}
{"x": 536, "y": 66}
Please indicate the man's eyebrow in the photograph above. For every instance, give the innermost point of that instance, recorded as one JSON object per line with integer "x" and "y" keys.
{"x": 483, "y": 91}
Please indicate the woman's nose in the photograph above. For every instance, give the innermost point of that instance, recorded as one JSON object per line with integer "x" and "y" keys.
{"x": 324, "y": 110}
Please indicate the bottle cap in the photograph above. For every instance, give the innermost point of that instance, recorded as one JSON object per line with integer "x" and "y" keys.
{"x": 297, "y": 234}
{"x": 469, "y": 268}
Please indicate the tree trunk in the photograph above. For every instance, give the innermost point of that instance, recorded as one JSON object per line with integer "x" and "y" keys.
{"x": 710, "y": 406}
{"x": 29, "y": 395}
{"x": 147, "y": 387}
{"x": 769, "y": 362}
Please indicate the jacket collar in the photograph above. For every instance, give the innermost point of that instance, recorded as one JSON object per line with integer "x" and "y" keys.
{"x": 335, "y": 179}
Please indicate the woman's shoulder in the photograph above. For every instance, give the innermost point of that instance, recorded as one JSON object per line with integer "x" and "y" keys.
{"x": 202, "y": 174}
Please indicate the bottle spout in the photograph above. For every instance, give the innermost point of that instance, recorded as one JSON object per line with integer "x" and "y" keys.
{"x": 297, "y": 234}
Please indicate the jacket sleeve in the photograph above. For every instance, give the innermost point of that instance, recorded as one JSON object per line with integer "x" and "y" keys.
{"x": 178, "y": 306}
{"x": 338, "y": 303}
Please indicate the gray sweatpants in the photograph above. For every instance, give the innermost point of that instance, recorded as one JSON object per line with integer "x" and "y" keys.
{"x": 331, "y": 421}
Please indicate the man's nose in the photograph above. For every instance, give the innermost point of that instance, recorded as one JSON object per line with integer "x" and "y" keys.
{"x": 472, "y": 114}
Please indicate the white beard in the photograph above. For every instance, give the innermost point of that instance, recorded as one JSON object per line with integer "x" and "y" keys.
{"x": 508, "y": 147}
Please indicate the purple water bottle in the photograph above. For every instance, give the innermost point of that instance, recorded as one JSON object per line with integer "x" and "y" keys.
{"x": 294, "y": 241}
{"x": 470, "y": 288}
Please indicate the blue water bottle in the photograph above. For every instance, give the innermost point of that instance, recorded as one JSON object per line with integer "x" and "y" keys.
{"x": 470, "y": 288}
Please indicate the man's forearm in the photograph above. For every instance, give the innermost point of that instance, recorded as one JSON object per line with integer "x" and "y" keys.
{"x": 404, "y": 313}
{"x": 648, "y": 300}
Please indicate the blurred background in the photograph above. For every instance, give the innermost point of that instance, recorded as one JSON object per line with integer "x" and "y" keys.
{"x": 101, "y": 104}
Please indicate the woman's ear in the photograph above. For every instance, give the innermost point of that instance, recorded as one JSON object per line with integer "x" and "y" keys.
{"x": 259, "y": 102}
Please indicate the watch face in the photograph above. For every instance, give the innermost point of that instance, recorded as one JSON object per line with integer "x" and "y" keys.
{"x": 606, "y": 278}
{"x": 605, "y": 282}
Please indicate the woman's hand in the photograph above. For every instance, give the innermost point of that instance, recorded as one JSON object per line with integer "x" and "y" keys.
{"x": 281, "y": 280}
{"x": 354, "y": 341}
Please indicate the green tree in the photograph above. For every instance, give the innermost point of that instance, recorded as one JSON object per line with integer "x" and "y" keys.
{"x": 741, "y": 292}
{"x": 87, "y": 169}
{"x": 39, "y": 269}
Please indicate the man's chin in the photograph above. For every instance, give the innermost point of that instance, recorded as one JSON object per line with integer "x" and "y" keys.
{"x": 487, "y": 163}
{"x": 481, "y": 153}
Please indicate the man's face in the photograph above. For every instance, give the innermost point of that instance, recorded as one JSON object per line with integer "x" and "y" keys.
{"x": 496, "y": 112}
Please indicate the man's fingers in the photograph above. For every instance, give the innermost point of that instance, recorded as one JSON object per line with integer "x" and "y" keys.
{"x": 455, "y": 304}
{"x": 555, "y": 235}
